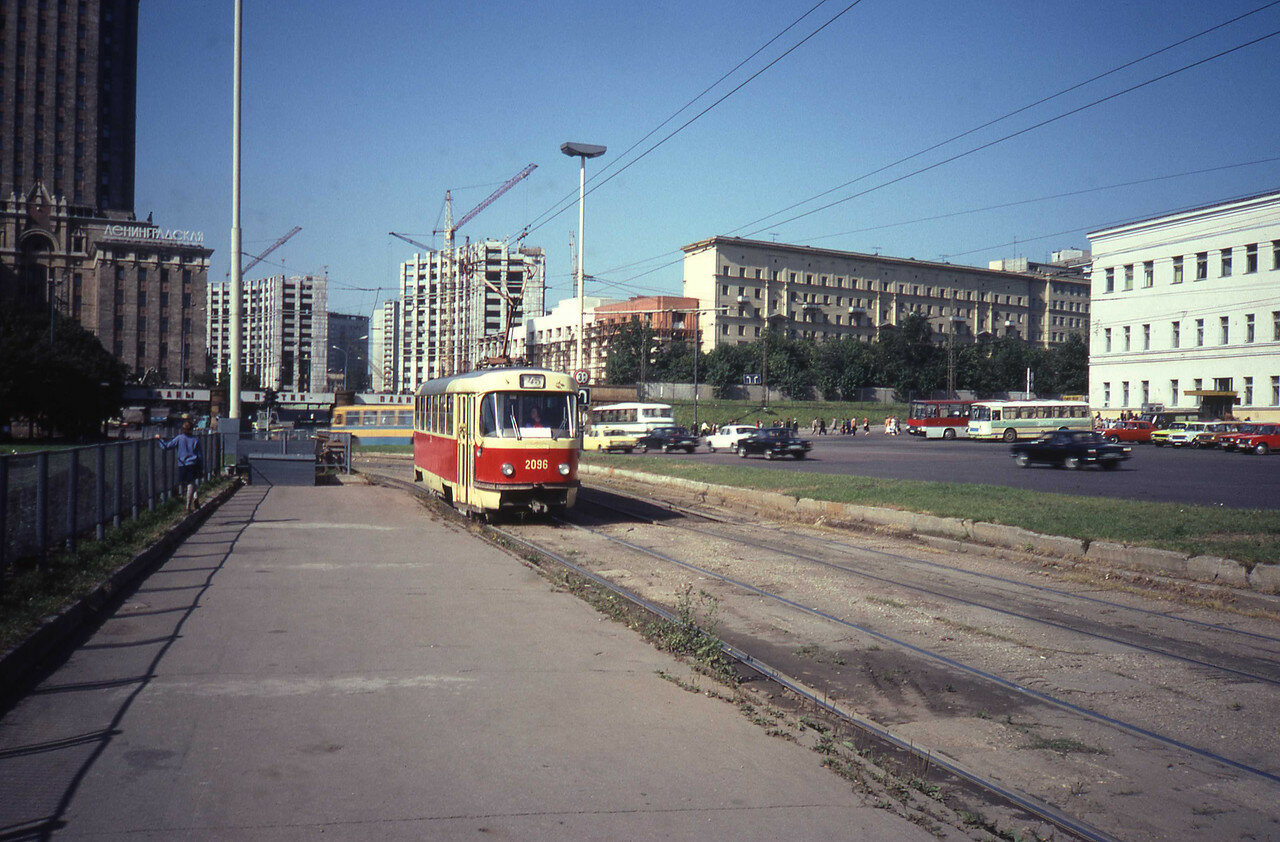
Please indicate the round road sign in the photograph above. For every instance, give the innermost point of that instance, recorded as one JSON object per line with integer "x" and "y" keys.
{"x": 582, "y": 377}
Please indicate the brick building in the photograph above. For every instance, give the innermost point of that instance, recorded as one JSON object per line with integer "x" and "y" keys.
{"x": 68, "y": 236}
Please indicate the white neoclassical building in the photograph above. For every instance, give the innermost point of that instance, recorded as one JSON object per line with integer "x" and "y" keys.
{"x": 1186, "y": 311}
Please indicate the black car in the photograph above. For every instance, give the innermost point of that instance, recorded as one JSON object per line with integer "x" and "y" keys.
{"x": 774, "y": 442}
{"x": 669, "y": 439}
{"x": 1071, "y": 449}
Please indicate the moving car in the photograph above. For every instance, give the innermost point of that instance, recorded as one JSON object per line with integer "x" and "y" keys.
{"x": 611, "y": 441}
{"x": 1129, "y": 431}
{"x": 773, "y": 442}
{"x": 1072, "y": 449}
{"x": 728, "y": 436}
{"x": 668, "y": 439}
{"x": 1264, "y": 439}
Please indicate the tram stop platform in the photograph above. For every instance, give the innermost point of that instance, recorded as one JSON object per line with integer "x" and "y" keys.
{"x": 336, "y": 660}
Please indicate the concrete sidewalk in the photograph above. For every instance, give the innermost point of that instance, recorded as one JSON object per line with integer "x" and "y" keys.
{"x": 332, "y": 660}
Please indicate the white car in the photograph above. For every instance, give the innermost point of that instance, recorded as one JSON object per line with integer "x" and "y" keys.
{"x": 728, "y": 436}
{"x": 1185, "y": 434}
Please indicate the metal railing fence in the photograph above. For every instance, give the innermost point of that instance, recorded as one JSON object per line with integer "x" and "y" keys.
{"x": 50, "y": 499}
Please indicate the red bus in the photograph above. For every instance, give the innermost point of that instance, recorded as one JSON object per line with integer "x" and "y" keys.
{"x": 939, "y": 419}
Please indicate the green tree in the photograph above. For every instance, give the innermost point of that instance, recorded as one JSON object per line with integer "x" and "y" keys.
{"x": 910, "y": 361}
{"x": 70, "y": 386}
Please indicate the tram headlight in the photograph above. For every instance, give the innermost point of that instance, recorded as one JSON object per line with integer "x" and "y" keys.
{"x": 564, "y": 469}
{"x": 508, "y": 470}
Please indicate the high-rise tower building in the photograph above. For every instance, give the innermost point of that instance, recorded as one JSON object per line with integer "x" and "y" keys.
{"x": 68, "y": 104}
{"x": 455, "y": 304}
{"x": 68, "y": 237}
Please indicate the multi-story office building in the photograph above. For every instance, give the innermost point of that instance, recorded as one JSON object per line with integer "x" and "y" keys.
{"x": 451, "y": 301}
{"x": 348, "y": 351}
{"x": 1186, "y": 311}
{"x": 819, "y": 294}
{"x": 68, "y": 237}
{"x": 285, "y": 331}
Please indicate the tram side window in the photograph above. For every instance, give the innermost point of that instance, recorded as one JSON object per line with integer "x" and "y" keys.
{"x": 404, "y": 417}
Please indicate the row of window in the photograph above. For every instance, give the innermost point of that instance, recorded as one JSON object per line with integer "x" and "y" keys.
{"x": 1224, "y": 384}
{"x": 1225, "y": 263}
{"x": 1197, "y": 334}
{"x": 904, "y": 289}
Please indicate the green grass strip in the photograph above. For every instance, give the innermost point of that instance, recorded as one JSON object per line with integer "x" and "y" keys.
{"x": 1251, "y": 536}
{"x": 30, "y": 595}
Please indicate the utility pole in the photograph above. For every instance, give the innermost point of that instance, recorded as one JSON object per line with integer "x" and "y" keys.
{"x": 237, "y": 307}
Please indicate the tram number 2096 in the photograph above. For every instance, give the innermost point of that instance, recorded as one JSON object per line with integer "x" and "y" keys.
{"x": 535, "y": 464}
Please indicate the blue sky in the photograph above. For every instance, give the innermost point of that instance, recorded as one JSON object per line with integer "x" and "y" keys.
{"x": 358, "y": 117}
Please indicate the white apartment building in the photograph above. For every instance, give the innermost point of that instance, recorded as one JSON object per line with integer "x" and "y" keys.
{"x": 550, "y": 340}
{"x": 451, "y": 301}
{"x": 384, "y": 332}
{"x": 814, "y": 293}
{"x": 285, "y": 336}
{"x": 1186, "y": 311}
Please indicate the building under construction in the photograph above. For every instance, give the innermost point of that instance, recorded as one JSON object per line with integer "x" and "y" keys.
{"x": 457, "y": 305}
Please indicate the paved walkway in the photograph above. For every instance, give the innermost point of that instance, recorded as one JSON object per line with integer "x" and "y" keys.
{"x": 333, "y": 660}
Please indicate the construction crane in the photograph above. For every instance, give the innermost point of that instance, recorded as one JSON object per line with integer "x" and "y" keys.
{"x": 456, "y": 290}
{"x": 277, "y": 244}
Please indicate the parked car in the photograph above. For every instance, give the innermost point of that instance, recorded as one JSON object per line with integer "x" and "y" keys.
{"x": 1212, "y": 437}
{"x": 728, "y": 436}
{"x": 1182, "y": 433}
{"x": 1129, "y": 431}
{"x": 1161, "y": 436}
{"x": 1072, "y": 449}
{"x": 1228, "y": 441}
{"x": 773, "y": 442}
{"x": 668, "y": 439}
{"x": 1264, "y": 439}
{"x": 611, "y": 441}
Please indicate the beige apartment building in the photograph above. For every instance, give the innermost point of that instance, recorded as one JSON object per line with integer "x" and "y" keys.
{"x": 819, "y": 294}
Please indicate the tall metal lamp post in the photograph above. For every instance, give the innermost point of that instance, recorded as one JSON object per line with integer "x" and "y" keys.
{"x": 581, "y": 151}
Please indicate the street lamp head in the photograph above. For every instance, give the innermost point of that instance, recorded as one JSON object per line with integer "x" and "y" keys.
{"x": 582, "y": 150}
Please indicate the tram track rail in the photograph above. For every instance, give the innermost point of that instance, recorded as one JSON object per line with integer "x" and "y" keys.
{"x": 1035, "y": 808}
{"x": 1078, "y": 628}
{"x": 690, "y": 522}
{"x": 948, "y": 661}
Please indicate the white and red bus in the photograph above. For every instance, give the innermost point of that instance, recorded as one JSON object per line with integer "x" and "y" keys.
{"x": 939, "y": 419}
{"x": 499, "y": 439}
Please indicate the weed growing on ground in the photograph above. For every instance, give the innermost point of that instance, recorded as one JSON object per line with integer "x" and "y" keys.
{"x": 31, "y": 594}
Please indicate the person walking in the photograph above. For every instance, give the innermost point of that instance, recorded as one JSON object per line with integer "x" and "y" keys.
{"x": 866, "y": 425}
{"x": 189, "y": 458}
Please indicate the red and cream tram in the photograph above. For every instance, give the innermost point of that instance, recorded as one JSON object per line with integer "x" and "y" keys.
{"x": 498, "y": 439}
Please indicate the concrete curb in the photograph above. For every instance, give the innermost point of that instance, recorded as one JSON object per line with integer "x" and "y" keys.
{"x": 17, "y": 663}
{"x": 1264, "y": 578}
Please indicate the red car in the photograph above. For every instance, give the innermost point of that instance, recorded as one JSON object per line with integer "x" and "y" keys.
{"x": 1228, "y": 441}
{"x": 1264, "y": 439}
{"x": 1138, "y": 432}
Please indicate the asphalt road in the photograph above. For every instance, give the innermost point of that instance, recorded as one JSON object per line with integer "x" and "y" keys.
{"x": 1160, "y": 474}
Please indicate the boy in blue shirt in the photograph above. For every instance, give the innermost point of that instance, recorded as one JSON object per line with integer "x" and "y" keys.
{"x": 189, "y": 459}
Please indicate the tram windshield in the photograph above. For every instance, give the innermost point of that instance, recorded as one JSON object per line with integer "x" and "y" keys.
{"x": 526, "y": 415}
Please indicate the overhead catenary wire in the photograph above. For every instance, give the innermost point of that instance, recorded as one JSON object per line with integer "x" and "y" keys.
{"x": 697, "y": 116}
{"x": 993, "y": 142}
{"x": 1015, "y": 112}
{"x": 571, "y": 195}
{"x": 1041, "y": 124}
